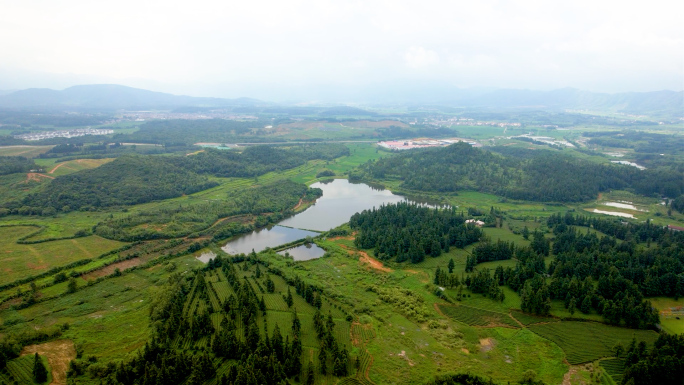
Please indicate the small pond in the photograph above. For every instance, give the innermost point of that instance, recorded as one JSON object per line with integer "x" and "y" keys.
{"x": 304, "y": 252}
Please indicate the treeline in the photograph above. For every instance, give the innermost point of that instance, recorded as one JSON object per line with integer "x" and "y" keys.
{"x": 664, "y": 364}
{"x": 542, "y": 176}
{"x": 266, "y": 204}
{"x": 15, "y": 164}
{"x": 257, "y": 160}
{"x": 408, "y": 232}
{"x": 188, "y": 132}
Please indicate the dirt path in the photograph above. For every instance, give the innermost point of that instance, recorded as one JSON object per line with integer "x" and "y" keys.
{"x": 58, "y": 354}
{"x": 567, "y": 378}
{"x": 56, "y": 167}
{"x": 519, "y": 323}
{"x": 298, "y": 204}
{"x": 438, "y": 310}
{"x": 36, "y": 177}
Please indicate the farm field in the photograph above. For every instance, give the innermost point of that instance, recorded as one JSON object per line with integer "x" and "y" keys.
{"x": 26, "y": 151}
{"x": 589, "y": 341}
{"x": 20, "y": 260}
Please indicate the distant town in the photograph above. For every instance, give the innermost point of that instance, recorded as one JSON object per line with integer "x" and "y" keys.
{"x": 64, "y": 133}
{"x": 409, "y": 144}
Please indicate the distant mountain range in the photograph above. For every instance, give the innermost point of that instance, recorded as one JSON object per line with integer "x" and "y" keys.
{"x": 117, "y": 97}
{"x": 111, "y": 97}
{"x": 570, "y": 98}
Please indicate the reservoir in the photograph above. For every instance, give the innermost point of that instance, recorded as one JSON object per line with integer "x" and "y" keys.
{"x": 341, "y": 199}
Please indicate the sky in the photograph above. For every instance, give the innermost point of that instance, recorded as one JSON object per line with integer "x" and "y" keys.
{"x": 301, "y": 49}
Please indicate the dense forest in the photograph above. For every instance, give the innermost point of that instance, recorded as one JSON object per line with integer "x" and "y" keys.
{"x": 541, "y": 176}
{"x": 15, "y": 164}
{"x": 408, "y": 232}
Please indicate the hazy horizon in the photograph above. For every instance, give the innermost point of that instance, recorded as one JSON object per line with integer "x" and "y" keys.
{"x": 307, "y": 50}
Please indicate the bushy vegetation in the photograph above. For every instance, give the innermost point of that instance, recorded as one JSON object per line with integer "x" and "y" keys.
{"x": 407, "y": 231}
{"x": 541, "y": 176}
{"x": 267, "y": 204}
{"x": 15, "y": 164}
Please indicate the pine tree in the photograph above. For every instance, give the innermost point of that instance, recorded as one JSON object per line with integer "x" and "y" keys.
{"x": 310, "y": 376}
{"x": 39, "y": 371}
{"x": 451, "y": 266}
{"x": 289, "y": 300}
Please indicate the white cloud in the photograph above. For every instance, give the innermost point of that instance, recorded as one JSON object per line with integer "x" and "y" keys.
{"x": 419, "y": 57}
{"x": 605, "y": 45}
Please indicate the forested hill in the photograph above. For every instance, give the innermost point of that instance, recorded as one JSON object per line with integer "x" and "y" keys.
{"x": 131, "y": 180}
{"x": 257, "y": 160}
{"x": 127, "y": 180}
{"x": 539, "y": 176}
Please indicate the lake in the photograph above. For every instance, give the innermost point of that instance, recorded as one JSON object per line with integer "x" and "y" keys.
{"x": 341, "y": 199}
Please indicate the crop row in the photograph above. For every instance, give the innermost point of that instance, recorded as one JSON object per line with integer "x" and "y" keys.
{"x": 589, "y": 341}
{"x": 477, "y": 317}
{"x": 614, "y": 367}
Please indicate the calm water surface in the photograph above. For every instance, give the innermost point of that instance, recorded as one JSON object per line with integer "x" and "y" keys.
{"x": 263, "y": 238}
{"x": 339, "y": 202}
{"x": 304, "y": 252}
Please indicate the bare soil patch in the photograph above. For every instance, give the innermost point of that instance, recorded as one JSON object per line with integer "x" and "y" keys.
{"x": 58, "y": 354}
{"x": 366, "y": 259}
{"x": 486, "y": 344}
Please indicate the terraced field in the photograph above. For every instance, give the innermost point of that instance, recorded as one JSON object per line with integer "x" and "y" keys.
{"x": 477, "y": 317}
{"x": 589, "y": 341}
{"x": 614, "y": 367}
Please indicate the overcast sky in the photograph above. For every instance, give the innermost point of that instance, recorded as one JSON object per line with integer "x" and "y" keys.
{"x": 246, "y": 48}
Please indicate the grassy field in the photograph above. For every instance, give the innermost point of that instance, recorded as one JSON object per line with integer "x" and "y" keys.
{"x": 26, "y": 151}
{"x": 670, "y": 309}
{"x": 19, "y": 261}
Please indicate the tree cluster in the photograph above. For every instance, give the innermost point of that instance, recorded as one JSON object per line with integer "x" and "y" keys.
{"x": 407, "y": 231}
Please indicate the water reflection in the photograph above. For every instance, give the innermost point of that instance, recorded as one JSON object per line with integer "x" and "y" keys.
{"x": 341, "y": 199}
{"x": 266, "y": 237}
{"x": 304, "y": 252}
